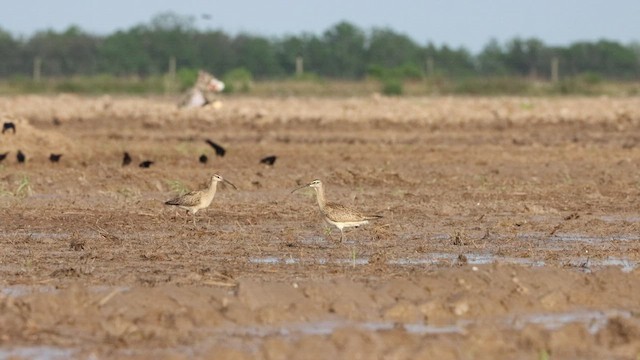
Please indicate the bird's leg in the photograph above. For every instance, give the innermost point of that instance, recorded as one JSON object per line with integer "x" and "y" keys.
{"x": 341, "y": 236}
{"x": 194, "y": 220}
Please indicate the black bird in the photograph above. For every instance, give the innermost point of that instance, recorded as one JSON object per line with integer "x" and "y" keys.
{"x": 220, "y": 151}
{"x": 20, "y": 156}
{"x": 3, "y": 156}
{"x": 269, "y": 160}
{"x": 126, "y": 159}
{"x": 55, "y": 157}
{"x": 203, "y": 159}
{"x": 146, "y": 164}
{"x": 8, "y": 126}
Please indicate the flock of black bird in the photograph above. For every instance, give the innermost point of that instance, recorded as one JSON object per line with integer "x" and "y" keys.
{"x": 126, "y": 159}
{"x": 20, "y": 156}
{"x": 220, "y": 151}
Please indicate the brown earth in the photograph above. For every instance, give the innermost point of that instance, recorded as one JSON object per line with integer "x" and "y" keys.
{"x": 510, "y": 229}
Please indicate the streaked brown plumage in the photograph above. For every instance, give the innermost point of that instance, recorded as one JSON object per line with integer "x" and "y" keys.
{"x": 198, "y": 199}
{"x": 335, "y": 214}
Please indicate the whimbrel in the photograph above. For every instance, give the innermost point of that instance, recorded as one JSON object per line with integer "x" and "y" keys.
{"x": 199, "y": 199}
{"x": 335, "y": 214}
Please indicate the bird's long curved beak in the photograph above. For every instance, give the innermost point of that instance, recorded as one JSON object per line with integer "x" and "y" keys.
{"x": 229, "y": 182}
{"x": 298, "y": 188}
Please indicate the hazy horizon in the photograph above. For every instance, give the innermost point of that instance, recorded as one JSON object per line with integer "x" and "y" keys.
{"x": 456, "y": 23}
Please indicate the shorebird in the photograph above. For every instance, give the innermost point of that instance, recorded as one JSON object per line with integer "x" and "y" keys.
{"x": 335, "y": 214}
{"x": 199, "y": 199}
{"x": 3, "y": 156}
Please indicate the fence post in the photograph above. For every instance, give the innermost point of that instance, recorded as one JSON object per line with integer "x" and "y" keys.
{"x": 430, "y": 66}
{"x": 299, "y": 65}
{"x": 170, "y": 83}
{"x": 37, "y": 68}
{"x": 554, "y": 69}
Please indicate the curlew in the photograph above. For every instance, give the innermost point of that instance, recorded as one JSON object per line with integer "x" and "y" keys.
{"x": 199, "y": 199}
{"x": 335, "y": 214}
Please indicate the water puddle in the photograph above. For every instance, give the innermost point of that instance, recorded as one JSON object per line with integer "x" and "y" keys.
{"x": 25, "y": 290}
{"x": 619, "y": 218}
{"x": 472, "y": 259}
{"x": 594, "y": 321}
{"x": 329, "y": 327}
{"x": 592, "y": 239}
{"x": 36, "y": 235}
{"x": 449, "y": 259}
{"x": 624, "y": 264}
{"x": 36, "y": 353}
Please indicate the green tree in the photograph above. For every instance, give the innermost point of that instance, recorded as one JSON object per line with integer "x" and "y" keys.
{"x": 345, "y": 52}
{"x": 69, "y": 52}
{"x": 390, "y": 49}
{"x": 11, "y": 53}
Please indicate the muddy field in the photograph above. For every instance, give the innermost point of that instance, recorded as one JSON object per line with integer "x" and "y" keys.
{"x": 511, "y": 229}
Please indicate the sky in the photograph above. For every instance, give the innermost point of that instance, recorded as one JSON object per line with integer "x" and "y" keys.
{"x": 467, "y": 23}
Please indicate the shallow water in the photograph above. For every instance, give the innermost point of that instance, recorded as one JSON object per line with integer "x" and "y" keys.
{"x": 448, "y": 259}
{"x": 36, "y": 353}
{"x": 594, "y": 320}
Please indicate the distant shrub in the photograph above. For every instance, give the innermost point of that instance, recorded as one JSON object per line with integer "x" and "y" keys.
{"x": 411, "y": 72}
{"x": 492, "y": 86}
{"x": 238, "y": 80}
{"x": 186, "y": 78}
{"x": 583, "y": 84}
{"x": 308, "y": 76}
{"x": 590, "y": 78}
{"x": 392, "y": 86}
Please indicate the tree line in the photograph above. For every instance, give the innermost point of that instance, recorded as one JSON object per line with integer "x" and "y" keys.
{"x": 343, "y": 51}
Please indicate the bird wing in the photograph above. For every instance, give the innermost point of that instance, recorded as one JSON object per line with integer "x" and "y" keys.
{"x": 341, "y": 213}
{"x": 188, "y": 199}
